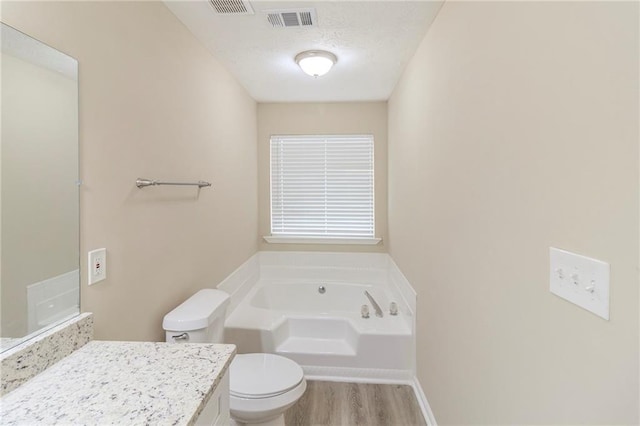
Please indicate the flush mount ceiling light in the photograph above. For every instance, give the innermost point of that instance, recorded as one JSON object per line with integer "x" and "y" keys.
{"x": 316, "y": 62}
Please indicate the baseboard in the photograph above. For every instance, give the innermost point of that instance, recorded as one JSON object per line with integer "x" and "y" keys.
{"x": 424, "y": 404}
{"x": 358, "y": 375}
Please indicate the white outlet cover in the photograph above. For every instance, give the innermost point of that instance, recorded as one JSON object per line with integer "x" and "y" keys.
{"x": 580, "y": 280}
{"x": 97, "y": 256}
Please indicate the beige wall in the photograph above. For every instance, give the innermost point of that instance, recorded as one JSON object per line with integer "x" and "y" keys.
{"x": 154, "y": 104}
{"x": 515, "y": 128}
{"x": 323, "y": 118}
{"x": 39, "y": 191}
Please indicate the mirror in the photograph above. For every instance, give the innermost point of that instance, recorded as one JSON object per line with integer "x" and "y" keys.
{"x": 39, "y": 196}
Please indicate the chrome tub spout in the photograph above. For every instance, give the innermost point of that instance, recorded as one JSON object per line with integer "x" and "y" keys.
{"x": 375, "y": 305}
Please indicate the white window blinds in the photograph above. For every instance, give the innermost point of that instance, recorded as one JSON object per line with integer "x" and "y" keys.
{"x": 322, "y": 186}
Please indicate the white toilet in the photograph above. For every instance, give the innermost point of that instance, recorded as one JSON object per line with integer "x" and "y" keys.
{"x": 262, "y": 386}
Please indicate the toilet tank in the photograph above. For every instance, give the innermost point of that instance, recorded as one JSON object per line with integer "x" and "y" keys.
{"x": 199, "y": 319}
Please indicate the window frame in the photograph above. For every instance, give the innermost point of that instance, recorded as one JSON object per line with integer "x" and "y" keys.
{"x": 322, "y": 239}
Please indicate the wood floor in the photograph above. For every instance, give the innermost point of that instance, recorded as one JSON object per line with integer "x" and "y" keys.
{"x": 333, "y": 403}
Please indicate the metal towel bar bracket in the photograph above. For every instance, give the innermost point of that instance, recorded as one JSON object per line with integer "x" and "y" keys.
{"x": 141, "y": 183}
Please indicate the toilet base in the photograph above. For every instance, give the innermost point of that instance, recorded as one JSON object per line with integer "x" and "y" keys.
{"x": 278, "y": 421}
{"x": 265, "y": 411}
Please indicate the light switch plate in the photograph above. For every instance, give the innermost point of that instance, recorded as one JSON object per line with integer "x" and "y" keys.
{"x": 580, "y": 280}
{"x": 97, "y": 265}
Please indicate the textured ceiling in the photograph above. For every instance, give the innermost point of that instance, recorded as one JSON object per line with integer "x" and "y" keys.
{"x": 372, "y": 40}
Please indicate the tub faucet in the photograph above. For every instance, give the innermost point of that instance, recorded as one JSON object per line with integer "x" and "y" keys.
{"x": 364, "y": 311}
{"x": 374, "y": 304}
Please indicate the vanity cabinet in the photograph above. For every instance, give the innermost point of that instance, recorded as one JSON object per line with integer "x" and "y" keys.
{"x": 216, "y": 412}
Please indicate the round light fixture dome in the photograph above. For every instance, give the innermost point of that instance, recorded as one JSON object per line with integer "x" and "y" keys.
{"x": 316, "y": 62}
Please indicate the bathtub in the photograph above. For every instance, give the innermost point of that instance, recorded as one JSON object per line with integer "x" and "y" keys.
{"x": 306, "y": 297}
{"x": 325, "y": 332}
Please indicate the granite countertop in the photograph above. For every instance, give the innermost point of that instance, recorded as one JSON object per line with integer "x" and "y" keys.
{"x": 121, "y": 383}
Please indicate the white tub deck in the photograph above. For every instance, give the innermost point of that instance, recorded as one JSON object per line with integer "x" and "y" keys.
{"x": 276, "y": 307}
{"x": 281, "y": 311}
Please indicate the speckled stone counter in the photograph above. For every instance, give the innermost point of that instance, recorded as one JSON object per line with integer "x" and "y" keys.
{"x": 23, "y": 362}
{"x": 121, "y": 383}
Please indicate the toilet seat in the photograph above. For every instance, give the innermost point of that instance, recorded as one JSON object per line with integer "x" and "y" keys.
{"x": 259, "y": 376}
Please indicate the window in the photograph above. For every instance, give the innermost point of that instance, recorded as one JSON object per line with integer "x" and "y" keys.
{"x": 322, "y": 189}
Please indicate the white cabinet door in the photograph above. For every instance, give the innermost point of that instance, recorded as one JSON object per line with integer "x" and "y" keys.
{"x": 216, "y": 412}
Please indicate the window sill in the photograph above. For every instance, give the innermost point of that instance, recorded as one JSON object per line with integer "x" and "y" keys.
{"x": 321, "y": 240}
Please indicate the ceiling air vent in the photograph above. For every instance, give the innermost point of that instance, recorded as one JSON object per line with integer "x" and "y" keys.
{"x": 289, "y": 18}
{"x": 232, "y": 7}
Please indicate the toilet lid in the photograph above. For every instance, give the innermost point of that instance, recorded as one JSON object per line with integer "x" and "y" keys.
{"x": 263, "y": 375}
